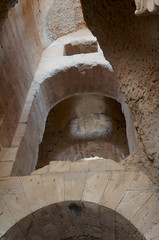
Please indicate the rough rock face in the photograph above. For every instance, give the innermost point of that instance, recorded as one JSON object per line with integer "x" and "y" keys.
{"x": 63, "y": 17}
{"x": 146, "y": 7}
{"x": 131, "y": 45}
{"x": 142, "y": 7}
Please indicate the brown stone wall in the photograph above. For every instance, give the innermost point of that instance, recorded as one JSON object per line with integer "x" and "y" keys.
{"x": 20, "y": 51}
{"x": 131, "y": 45}
{"x": 29, "y": 27}
{"x": 63, "y": 17}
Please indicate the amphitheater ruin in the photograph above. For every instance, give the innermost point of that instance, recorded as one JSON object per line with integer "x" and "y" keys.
{"x": 79, "y": 120}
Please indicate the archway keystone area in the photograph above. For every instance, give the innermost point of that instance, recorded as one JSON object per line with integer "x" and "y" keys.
{"x": 102, "y": 184}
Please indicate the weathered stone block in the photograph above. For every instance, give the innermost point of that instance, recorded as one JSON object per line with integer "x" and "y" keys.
{"x": 94, "y": 186}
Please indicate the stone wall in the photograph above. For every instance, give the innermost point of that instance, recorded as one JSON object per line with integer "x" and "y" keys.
{"x": 131, "y": 45}
{"x": 116, "y": 202}
{"x": 29, "y": 28}
{"x": 59, "y": 77}
{"x": 74, "y": 220}
{"x": 20, "y": 50}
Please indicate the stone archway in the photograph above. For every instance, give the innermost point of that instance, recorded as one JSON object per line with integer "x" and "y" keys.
{"x": 104, "y": 183}
{"x": 56, "y": 80}
{"x": 84, "y": 126}
{"x": 74, "y": 220}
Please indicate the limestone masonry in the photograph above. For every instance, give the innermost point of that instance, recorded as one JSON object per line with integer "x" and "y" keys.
{"x": 79, "y": 120}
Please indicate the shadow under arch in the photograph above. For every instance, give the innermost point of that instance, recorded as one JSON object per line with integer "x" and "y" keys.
{"x": 84, "y": 126}
{"x": 51, "y": 87}
{"x": 74, "y": 220}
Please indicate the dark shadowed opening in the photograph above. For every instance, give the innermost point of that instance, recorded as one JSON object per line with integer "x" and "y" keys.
{"x": 74, "y": 221}
{"x": 84, "y": 126}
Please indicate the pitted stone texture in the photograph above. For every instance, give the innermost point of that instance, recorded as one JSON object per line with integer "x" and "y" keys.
{"x": 130, "y": 43}
{"x": 63, "y": 17}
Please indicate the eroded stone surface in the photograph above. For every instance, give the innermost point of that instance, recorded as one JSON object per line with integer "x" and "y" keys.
{"x": 134, "y": 54}
{"x": 147, "y": 7}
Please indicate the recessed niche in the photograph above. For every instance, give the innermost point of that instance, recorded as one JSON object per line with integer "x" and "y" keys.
{"x": 84, "y": 126}
{"x": 80, "y": 46}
